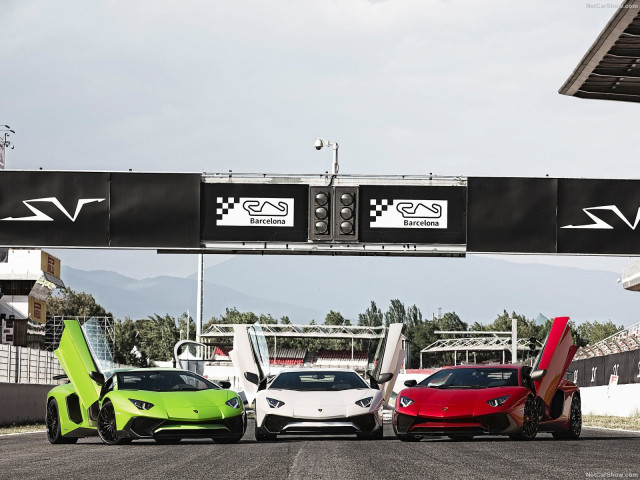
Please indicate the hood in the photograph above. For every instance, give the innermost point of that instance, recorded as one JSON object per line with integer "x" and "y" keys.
{"x": 181, "y": 405}
{"x": 321, "y": 404}
{"x": 449, "y": 403}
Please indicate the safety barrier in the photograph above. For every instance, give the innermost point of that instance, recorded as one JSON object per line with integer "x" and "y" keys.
{"x": 28, "y": 365}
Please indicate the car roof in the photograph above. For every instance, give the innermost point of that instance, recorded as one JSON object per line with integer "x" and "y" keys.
{"x": 497, "y": 365}
{"x": 316, "y": 369}
{"x": 150, "y": 369}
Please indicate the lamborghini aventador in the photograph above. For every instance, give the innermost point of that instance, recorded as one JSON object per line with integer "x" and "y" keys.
{"x": 515, "y": 400}
{"x": 316, "y": 400}
{"x": 121, "y": 405}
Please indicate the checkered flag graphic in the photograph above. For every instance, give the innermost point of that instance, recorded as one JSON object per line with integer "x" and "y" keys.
{"x": 378, "y": 207}
{"x": 224, "y": 204}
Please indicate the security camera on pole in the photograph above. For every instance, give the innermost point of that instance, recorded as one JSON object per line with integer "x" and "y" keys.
{"x": 321, "y": 143}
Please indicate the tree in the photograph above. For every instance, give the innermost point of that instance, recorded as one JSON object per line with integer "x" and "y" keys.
{"x": 335, "y": 318}
{"x": 593, "y": 332}
{"x": 127, "y": 346}
{"x": 183, "y": 329}
{"x": 413, "y": 317}
{"x": 159, "y": 336}
{"x": 451, "y": 321}
{"x": 372, "y": 317}
{"x": 68, "y": 303}
{"x": 396, "y": 313}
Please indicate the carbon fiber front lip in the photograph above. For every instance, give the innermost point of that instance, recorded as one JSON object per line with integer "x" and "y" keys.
{"x": 497, "y": 424}
{"x": 145, "y": 427}
{"x": 277, "y": 424}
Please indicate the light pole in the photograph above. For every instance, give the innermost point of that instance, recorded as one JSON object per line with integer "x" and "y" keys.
{"x": 321, "y": 143}
{"x": 5, "y": 143}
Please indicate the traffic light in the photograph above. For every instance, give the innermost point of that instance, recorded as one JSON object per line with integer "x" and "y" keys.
{"x": 320, "y": 225}
{"x": 533, "y": 345}
{"x": 345, "y": 214}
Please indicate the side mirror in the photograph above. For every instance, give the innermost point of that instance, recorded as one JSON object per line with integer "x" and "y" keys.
{"x": 384, "y": 378}
{"x": 224, "y": 384}
{"x": 538, "y": 374}
{"x": 252, "y": 377}
{"x": 410, "y": 383}
{"x": 97, "y": 377}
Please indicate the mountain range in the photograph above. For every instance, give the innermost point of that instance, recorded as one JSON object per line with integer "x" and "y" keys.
{"x": 477, "y": 288}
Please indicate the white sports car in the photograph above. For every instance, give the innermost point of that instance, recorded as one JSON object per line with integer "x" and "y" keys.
{"x": 315, "y": 400}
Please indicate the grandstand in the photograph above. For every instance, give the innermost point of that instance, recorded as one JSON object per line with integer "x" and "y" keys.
{"x": 358, "y": 360}
{"x": 622, "y": 341}
{"x": 289, "y": 357}
{"x": 218, "y": 355}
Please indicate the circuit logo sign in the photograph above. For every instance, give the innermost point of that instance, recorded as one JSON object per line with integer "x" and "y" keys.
{"x": 40, "y": 216}
{"x": 396, "y": 213}
{"x": 254, "y": 212}
{"x": 599, "y": 224}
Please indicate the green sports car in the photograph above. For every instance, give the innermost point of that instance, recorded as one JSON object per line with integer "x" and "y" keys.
{"x": 121, "y": 405}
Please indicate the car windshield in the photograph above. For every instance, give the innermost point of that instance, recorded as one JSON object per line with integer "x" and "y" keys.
{"x": 472, "y": 378}
{"x": 318, "y": 381}
{"x": 163, "y": 381}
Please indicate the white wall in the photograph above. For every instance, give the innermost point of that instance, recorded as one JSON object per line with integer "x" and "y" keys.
{"x": 616, "y": 400}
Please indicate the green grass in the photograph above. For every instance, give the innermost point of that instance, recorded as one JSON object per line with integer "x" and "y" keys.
{"x": 30, "y": 427}
{"x": 626, "y": 423}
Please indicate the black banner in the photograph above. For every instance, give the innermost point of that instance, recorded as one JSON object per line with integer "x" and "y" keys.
{"x": 597, "y": 371}
{"x": 413, "y": 214}
{"x": 598, "y": 216}
{"x": 511, "y": 215}
{"x": 51, "y": 209}
{"x": 155, "y": 210}
{"x": 633, "y": 364}
{"x": 254, "y": 212}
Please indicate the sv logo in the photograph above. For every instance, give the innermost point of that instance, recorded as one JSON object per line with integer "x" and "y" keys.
{"x": 615, "y": 368}
{"x": 39, "y": 216}
{"x": 599, "y": 224}
{"x": 575, "y": 376}
{"x": 593, "y": 374}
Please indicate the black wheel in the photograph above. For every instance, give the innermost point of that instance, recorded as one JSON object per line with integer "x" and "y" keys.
{"x": 167, "y": 441}
{"x": 52, "y": 419}
{"x": 377, "y": 434}
{"x": 575, "y": 421}
{"x": 460, "y": 438}
{"x": 408, "y": 438}
{"x": 263, "y": 436}
{"x": 107, "y": 426}
{"x": 530, "y": 421}
{"x": 235, "y": 439}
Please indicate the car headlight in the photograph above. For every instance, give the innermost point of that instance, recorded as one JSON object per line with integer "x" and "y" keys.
{"x": 141, "y": 404}
{"x": 273, "y": 403}
{"x": 496, "y": 402}
{"x": 365, "y": 402}
{"x": 233, "y": 403}
{"x": 405, "y": 401}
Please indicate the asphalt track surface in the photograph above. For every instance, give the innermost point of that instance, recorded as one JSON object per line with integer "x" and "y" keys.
{"x": 598, "y": 454}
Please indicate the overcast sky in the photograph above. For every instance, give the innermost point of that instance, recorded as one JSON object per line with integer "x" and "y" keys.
{"x": 405, "y": 86}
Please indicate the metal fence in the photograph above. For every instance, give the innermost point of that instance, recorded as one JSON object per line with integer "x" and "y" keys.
{"x": 28, "y": 365}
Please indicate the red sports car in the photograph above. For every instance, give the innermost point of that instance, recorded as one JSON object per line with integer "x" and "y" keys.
{"x": 515, "y": 400}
